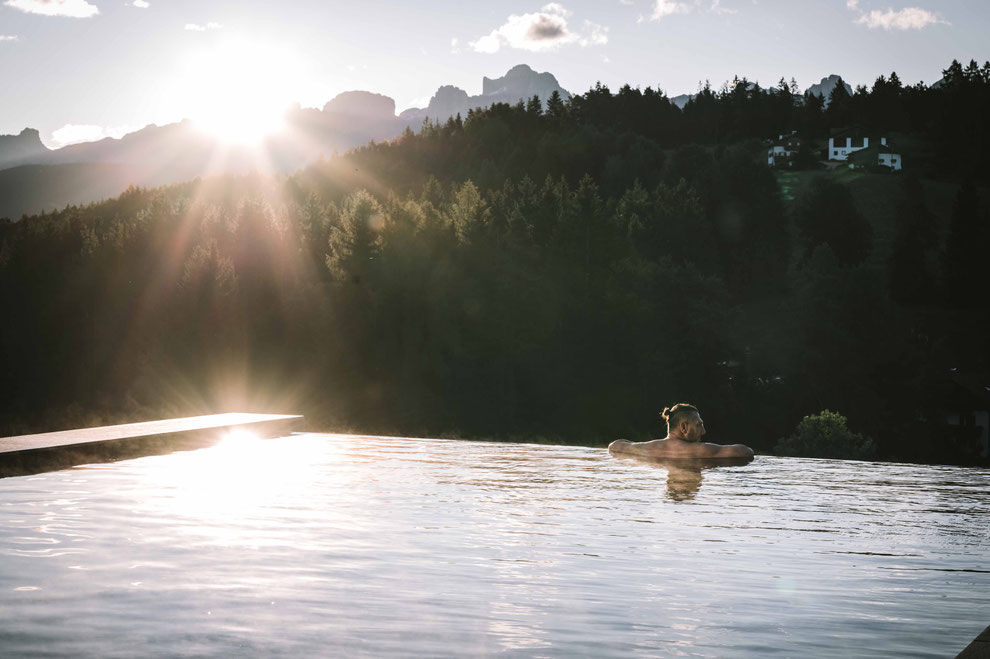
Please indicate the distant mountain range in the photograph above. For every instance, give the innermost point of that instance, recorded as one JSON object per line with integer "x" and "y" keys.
{"x": 519, "y": 83}
{"x": 34, "y": 178}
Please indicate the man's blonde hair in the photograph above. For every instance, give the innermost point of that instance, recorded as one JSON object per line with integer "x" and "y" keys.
{"x": 673, "y": 414}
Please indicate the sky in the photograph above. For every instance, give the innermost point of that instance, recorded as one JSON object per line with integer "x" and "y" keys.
{"x": 86, "y": 69}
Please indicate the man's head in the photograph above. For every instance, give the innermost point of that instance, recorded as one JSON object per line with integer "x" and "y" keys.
{"x": 684, "y": 422}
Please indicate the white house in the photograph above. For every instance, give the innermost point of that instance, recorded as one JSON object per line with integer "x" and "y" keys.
{"x": 888, "y": 158}
{"x": 782, "y": 152}
{"x": 840, "y": 148}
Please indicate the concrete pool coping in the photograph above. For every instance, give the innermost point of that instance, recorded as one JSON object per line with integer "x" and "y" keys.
{"x": 979, "y": 648}
{"x": 31, "y": 454}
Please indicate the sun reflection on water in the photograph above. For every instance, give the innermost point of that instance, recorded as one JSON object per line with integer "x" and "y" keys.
{"x": 237, "y": 490}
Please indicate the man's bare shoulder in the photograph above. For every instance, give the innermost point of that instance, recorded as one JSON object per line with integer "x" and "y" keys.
{"x": 636, "y": 448}
{"x": 676, "y": 448}
{"x": 655, "y": 448}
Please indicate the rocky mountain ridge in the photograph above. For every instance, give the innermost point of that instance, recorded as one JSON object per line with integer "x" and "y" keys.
{"x": 520, "y": 83}
{"x": 34, "y": 178}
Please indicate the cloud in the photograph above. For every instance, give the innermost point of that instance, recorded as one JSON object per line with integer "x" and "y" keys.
{"x": 594, "y": 35}
{"x": 909, "y": 18}
{"x": 852, "y": 4}
{"x": 544, "y": 30}
{"x": 142, "y": 4}
{"x": 9, "y": 37}
{"x": 75, "y": 133}
{"x": 664, "y": 8}
{"x": 72, "y": 8}
{"x": 196, "y": 27}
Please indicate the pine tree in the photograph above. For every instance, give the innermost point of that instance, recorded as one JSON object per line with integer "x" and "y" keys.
{"x": 556, "y": 109}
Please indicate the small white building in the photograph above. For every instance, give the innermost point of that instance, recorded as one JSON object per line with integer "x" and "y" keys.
{"x": 782, "y": 152}
{"x": 888, "y": 158}
{"x": 840, "y": 148}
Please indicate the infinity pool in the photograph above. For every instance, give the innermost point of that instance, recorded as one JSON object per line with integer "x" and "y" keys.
{"x": 324, "y": 545}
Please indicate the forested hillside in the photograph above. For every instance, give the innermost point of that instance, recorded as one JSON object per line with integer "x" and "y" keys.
{"x": 525, "y": 272}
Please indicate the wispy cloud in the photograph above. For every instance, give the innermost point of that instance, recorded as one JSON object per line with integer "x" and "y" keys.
{"x": 141, "y": 4}
{"x": 544, "y": 30}
{"x": 665, "y": 8}
{"x": 71, "y": 8}
{"x": 909, "y": 18}
{"x": 76, "y": 133}
{"x": 196, "y": 27}
{"x": 9, "y": 37}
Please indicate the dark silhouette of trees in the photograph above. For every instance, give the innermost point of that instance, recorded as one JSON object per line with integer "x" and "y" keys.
{"x": 826, "y": 215}
{"x": 965, "y": 256}
{"x": 557, "y": 271}
{"x": 913, "y": 278}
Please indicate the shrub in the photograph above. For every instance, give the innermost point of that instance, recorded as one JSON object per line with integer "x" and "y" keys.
{"x": 826, "y": 435}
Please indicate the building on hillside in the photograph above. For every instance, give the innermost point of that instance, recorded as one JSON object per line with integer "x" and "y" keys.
{"x": 887, "y": 158}
{"x": 878, "y": 155}
{"x": 844, "y": 146}
{"x": 783, "y": 152}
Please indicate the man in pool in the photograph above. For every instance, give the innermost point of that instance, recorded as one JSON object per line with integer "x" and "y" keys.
{"x": 685, "y": 429}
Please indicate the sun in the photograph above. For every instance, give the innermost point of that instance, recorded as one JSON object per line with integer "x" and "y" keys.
{"x": 238, "y": 90}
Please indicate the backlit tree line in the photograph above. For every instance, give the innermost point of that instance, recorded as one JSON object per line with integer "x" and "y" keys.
{"x": 526, "y": 271}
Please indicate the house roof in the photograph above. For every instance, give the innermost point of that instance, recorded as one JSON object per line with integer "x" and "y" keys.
{"x": 871, "y": 152}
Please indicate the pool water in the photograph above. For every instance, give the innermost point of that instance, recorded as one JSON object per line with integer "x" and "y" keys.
{"x": 339, "y": 545}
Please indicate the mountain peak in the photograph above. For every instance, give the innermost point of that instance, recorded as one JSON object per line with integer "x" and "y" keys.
{"x": 25, "y": 146}
{"x": 361, "y": 103}
{"x": 826, "y": 86}
{"x": 522, "y": 82}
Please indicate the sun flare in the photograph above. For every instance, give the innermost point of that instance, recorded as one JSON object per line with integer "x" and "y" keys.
{"x": 239, "y": 89}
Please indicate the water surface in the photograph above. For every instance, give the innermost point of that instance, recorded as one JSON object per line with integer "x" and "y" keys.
{"x": 314, "y": 545}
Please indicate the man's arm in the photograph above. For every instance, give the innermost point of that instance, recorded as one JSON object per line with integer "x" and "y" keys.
{"x": 728, "y": 451}
{"x": 663, "y": 448}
